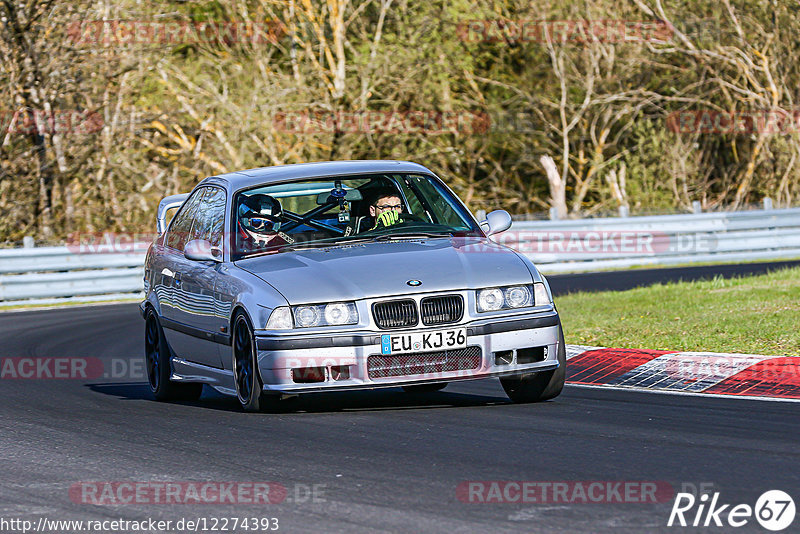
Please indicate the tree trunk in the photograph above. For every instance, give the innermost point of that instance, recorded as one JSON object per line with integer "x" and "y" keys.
{"x": 558, "y": 198}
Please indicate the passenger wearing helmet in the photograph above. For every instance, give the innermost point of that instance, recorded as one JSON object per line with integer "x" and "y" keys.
{"x": 260, "y": 222}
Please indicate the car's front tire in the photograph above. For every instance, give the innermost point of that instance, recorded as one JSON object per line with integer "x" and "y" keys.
{"x": 536, "y": 387}
{"x": 158, "y": 366}
{"x": 245, "y": 365}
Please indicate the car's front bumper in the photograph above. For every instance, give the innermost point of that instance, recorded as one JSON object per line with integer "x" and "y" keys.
{"x": 340, "y": 362}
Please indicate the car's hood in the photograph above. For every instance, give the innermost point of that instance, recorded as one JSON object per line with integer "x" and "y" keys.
{"x": 351, "y": 272}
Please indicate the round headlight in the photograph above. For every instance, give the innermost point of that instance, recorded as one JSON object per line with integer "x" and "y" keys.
{"x": 490, "y": 299}
{"x": 518, "y": 297}
{"x": 337, "y": 313}
{"x": 306, "y": 316}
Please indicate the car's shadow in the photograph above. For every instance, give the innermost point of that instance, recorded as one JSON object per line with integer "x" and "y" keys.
{"x": 365, "y": 400}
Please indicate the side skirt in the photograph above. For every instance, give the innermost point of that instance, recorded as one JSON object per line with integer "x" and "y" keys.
{"x": 219, "y": 379}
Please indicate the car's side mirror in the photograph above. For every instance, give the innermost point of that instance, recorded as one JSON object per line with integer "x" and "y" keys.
{"x": 496, "y": 222}
{"x": 201, "y": 250}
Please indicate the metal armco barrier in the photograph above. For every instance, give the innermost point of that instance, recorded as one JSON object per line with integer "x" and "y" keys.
{"x": 34, "y": 274}
{"x": 582, "y": 245}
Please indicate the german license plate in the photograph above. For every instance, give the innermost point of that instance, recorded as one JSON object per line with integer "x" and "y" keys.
{"x": 402, "y": 343}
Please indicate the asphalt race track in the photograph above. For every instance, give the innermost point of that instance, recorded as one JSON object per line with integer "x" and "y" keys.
{"x": 382, "y": 461}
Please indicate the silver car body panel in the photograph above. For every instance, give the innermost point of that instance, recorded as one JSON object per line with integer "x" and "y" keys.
{"x": 352, "y": 272}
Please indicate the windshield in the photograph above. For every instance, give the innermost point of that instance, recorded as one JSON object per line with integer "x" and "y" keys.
{"x": 331, "y": 211}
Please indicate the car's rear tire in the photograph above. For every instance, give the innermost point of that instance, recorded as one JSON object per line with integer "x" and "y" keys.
{"x": 536, "y": 387}
{"x": 249, "y": 388}
{"x": 424, "y": 388}
{"x": 157, "y": 358}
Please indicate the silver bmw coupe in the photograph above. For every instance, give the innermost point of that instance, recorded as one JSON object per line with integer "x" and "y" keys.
{"x": 338, "y": 276}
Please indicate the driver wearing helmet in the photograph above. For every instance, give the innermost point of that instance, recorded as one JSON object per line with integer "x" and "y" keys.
{"x": 260, "y": 222}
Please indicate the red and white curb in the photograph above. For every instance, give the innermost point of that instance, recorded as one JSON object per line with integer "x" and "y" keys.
{"x": 747, "y": 375}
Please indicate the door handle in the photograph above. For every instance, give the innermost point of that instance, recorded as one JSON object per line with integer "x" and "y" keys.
{"x": 177, "y": 279}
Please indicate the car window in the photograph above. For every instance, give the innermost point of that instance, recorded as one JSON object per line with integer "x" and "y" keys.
{"x": 181, "y": 224}
{"x": 209, "y": 217}
{"x": 443, "y": 211}
{"x": 327, "y": 211}
{"x": 411, "y": 202}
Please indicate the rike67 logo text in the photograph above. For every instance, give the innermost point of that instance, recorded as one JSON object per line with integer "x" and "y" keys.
{"x": 774, "y": 510}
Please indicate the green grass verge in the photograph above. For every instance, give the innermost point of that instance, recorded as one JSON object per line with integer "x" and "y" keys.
{"x": 756, "y": 315}
{"x": 543, "y": 267}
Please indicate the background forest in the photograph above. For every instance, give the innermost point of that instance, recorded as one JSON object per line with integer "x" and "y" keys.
{"x": 99, "y": 119}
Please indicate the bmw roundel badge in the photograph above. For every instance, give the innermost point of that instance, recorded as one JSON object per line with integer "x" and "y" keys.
{"x": 414, "y": 283}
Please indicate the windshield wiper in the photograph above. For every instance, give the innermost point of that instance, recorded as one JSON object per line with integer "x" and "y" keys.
{"x": 310, "y": 244}
{"x": 325, "y": 243}
{"x": 357, "y": 240}
{"x": 410, "y": 235}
